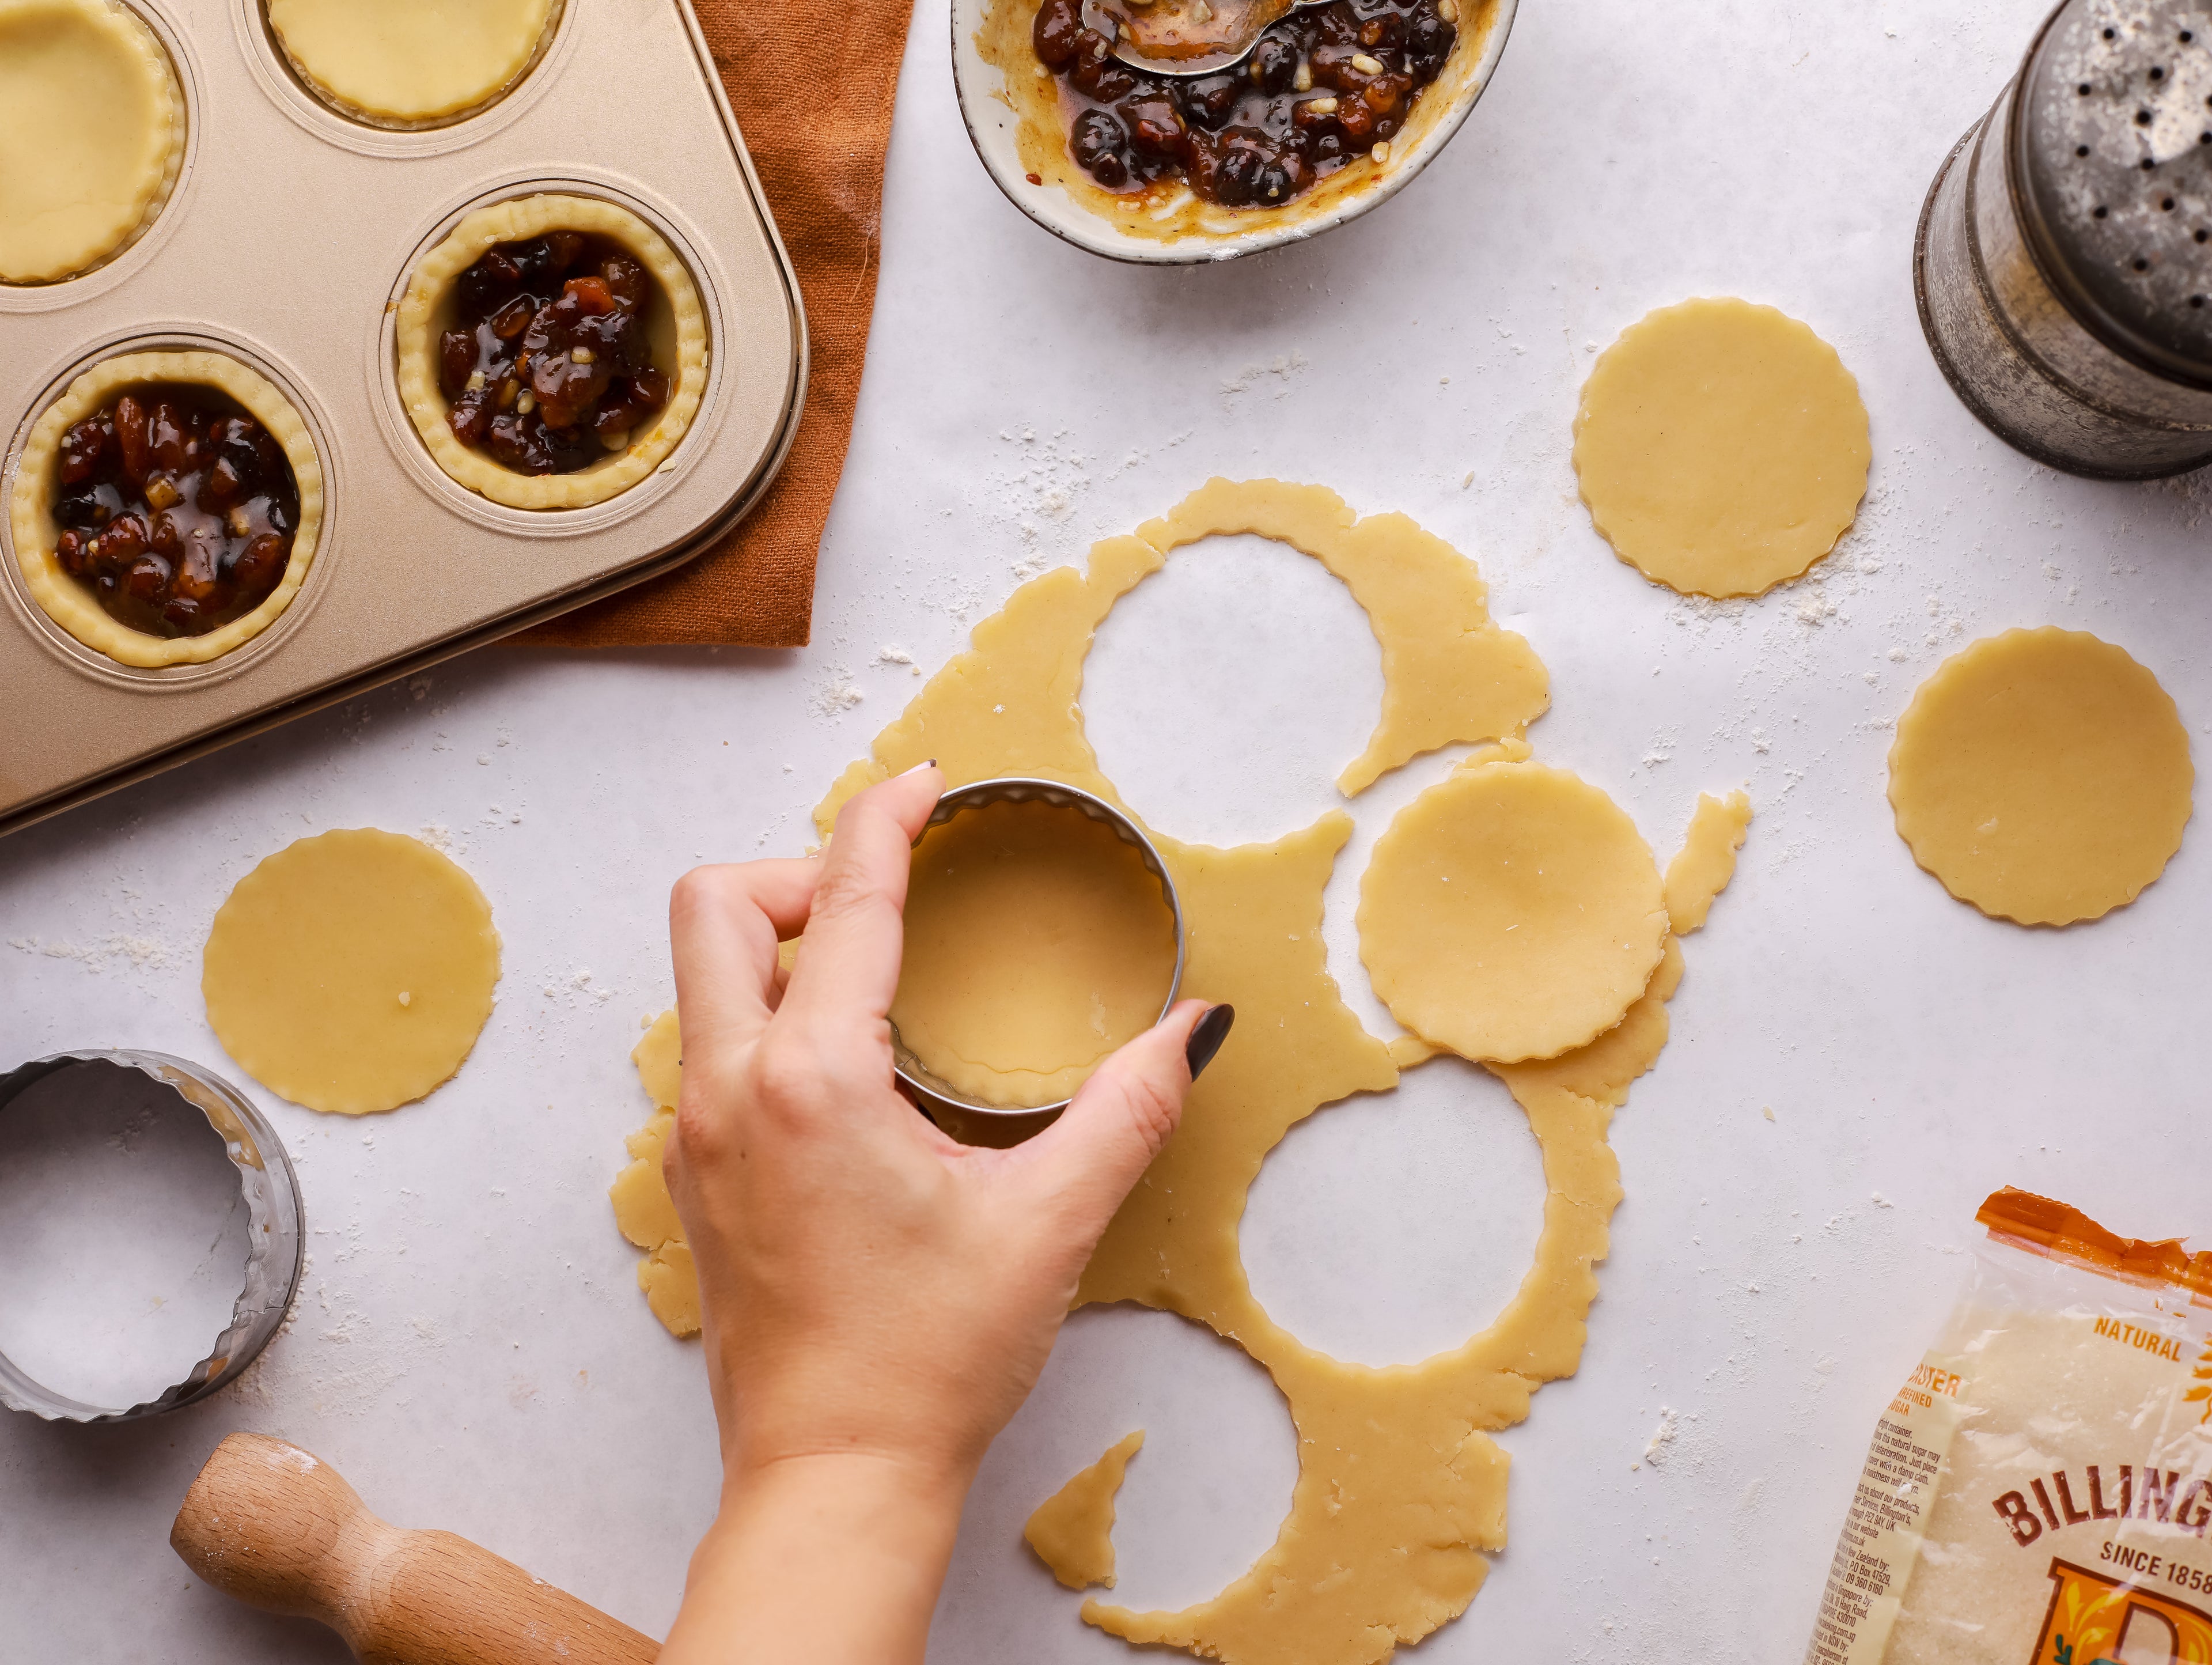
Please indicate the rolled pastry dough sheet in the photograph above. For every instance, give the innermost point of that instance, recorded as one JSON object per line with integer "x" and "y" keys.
{"x": 2042, "y": 776}
{"x": 409, "y": 60}
{"x": 1037, "y": 942}
{"x": 91, "y": 134}
{"x": 1072, "y": 1530}
{"x": 1401, "y": 1491}
{"x": 1721, "y": 446}
{"x": 1510, "y": 912}
{"x": 351, "y": 972}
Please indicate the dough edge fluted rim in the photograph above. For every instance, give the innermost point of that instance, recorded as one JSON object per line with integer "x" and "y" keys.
{"x": 512, "y": 222}
{"x": 1597, "y": 511}
{"x": 31, "y": 520}
{"x": 130, "y": 221}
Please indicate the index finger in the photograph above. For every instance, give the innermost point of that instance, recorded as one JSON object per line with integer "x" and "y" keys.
{"x": 848, "y": 970}
{"x": 724, "y": 923}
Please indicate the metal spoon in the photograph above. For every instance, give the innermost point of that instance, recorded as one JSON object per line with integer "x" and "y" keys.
{"x": 1186, "y": 37}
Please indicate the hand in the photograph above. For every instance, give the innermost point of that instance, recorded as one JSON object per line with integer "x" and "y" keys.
{"x": 877, "y": 1299}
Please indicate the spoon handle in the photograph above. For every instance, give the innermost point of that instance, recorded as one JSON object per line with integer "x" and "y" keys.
{"x": 1183, "y": 37}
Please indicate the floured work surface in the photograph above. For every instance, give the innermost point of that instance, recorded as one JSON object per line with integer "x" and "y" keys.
{"x": 1401, "y": 1490}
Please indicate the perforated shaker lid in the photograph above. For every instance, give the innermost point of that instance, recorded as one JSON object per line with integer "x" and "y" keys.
{"x": 2111, "y": 139}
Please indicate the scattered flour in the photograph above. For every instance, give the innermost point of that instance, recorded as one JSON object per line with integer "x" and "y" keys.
{"x": 1284, "y": 367}
{"x": 836, "y": 694}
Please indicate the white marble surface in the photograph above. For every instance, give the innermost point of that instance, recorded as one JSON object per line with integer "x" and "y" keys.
{"x": 468, "y": 1349}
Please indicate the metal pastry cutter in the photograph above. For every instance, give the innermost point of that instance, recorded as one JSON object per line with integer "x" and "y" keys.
{"x": 276, "y": 1234}
{"x": 967, "y": 1120}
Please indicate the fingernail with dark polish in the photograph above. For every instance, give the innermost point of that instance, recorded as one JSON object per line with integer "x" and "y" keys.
{"x": 1206, "y": 1040}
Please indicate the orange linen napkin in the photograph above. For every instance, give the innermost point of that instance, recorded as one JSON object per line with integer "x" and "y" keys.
{"x": 811, "y": 86}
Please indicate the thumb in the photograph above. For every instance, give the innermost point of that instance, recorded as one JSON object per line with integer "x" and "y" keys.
{"x": 1124, "y": 1114}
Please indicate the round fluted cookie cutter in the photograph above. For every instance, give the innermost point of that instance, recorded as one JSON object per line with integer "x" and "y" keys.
{"x": 276, "y": 1231}
{"x": 969, "y": 1119}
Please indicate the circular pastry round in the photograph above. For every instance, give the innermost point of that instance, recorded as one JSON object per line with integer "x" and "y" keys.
{"x": 1510, "y": 912}
{"x": 2042, "y": 776}
{"x": 351, "y": 972}
{"x": 1721, "y": 447}
{"x": 30, "y": 505}
{"x": 430, "y": 299}
{"x": 411, "y": 62}
{"x": 91, "y": 134}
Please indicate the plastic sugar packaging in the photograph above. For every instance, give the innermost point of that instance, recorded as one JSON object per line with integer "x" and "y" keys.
{"x": 2040, "y": 1490}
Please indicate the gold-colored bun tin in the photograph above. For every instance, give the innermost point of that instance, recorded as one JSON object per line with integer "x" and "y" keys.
{"x": 287, "y": 243}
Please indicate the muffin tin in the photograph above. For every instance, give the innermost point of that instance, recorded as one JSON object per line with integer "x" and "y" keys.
{"x": 287, "y": 243}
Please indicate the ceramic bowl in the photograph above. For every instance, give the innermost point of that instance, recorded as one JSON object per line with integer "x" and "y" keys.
{"x": 995, "y": 122}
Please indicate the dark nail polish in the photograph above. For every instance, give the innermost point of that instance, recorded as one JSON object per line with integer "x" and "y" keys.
{"x": 1206, "y": 1040}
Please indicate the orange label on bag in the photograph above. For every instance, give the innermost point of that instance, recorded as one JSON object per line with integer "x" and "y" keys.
{"x": 2092, "y": 1618}
{"x": 2040, "y": 1490}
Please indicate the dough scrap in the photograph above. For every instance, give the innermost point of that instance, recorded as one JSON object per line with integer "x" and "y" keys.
{"x": 1721, "y": 446}
{"x": 351, "y": 972}
{"x": 644, "y": 1211}
{"x": 1072, "y": 1530}
{"x": 410, "y": 61}
{"x": 91, "y": 134}
{"x": 1400, "y": 1489}
{"x": 2043, "y": 775}
{"x": 1511, "y": 911}
{"x": 1037, "y": 941}
{"x": 1701, "y": 869}
{"x": 1449, "y": 673}
{"x": 31, "y": 512}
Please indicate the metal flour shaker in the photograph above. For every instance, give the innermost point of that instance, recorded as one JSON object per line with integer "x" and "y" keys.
{"x": 2064, "y": 263}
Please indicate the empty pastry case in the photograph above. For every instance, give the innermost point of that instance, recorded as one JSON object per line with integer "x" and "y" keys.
{"x": 287, "y": 242}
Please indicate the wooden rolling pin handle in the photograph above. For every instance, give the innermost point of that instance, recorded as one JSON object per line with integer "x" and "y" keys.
{"x": 274, "y": 1527}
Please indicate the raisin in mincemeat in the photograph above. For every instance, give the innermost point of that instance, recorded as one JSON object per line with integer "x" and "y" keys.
{"x": 547, "y": 366}
{"x": 1323, "y": 87}
{"x": 176, "y": 510}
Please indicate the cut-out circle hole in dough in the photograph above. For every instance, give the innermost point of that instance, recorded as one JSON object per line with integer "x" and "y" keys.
{"x": 1512, "y": 911}
{"x": 1227, "y": 691}
{"x": 1220, "y": 1457}
{"x": 351, "y": 972}
{"x": 2042, "y": 776}
{"x": 1721, "y": 446}
{"x": 1453, "y": 1153}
